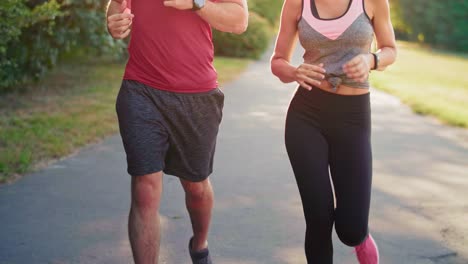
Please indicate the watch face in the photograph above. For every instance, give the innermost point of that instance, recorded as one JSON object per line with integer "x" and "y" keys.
{"x": 198, "y": 4}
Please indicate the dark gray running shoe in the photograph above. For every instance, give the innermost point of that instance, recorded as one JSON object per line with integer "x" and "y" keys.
{"x": 199, "y": 257}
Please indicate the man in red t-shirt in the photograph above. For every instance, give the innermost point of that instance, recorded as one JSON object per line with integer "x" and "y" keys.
{"x": 169, "y": 108}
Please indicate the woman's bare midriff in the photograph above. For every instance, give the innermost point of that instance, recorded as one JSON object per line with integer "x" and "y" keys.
{"x": 342, "y": 89}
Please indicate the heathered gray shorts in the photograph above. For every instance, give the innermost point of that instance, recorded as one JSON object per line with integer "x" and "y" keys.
{"x": 167, "y": 131}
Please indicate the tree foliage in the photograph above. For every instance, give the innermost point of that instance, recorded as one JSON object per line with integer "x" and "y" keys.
{"x": 35, "y": 33}
{"x": 439, "y": 23}
{"x": 251, "y": 44}
{"x": 269, "y": 9}
{"x": 263, "y": 16}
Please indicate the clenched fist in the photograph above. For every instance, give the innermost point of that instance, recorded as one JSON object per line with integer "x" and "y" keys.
{"x": 119, "y": 25}
{"x": 359, "y": 67}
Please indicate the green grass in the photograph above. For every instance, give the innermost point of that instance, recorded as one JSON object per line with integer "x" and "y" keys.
{"x": 73, "y": 106}
{"x": 430, "y": 82}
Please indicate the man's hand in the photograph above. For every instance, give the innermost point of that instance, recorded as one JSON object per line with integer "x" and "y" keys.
{"x": 179, "y": 4}
{"x": 119, "y": 24}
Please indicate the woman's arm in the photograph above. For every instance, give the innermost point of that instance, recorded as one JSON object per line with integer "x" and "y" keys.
{"x": 305, "y": 74}
{"x": 358, "y": 68}
{"x": 384, "y": 34}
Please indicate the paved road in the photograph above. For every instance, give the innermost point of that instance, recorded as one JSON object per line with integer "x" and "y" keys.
{"x": 75, "y": 210}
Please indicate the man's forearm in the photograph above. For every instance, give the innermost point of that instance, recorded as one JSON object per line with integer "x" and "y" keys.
{"x": 113, "y": 7}
{"x": 226, "y": 16}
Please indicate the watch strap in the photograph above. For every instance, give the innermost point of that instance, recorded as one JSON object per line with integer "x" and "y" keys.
{"x": 376, "y": 61}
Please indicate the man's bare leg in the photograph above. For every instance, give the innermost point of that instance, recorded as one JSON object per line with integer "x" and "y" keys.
{"x": 143, "y": 222}
{"x": 199, "y": 202}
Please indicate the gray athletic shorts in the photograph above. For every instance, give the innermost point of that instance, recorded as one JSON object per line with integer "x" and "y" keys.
{"x": 167, "y": 131}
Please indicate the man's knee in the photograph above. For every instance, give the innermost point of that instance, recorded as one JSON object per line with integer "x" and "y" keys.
{"x": 198, "y": 192}
{"x": 146, "y": 191}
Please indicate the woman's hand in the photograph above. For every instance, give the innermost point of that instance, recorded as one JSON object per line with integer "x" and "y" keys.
{"x": 308, "y": 74}
{"x": 119, "y": 24}
{"x": 358, "y": 68}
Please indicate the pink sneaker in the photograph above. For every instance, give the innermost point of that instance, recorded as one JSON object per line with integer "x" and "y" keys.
{"x": 367, "y": 252}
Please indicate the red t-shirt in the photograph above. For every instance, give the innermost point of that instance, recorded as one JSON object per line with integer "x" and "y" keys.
{"x": 170, "y": 49}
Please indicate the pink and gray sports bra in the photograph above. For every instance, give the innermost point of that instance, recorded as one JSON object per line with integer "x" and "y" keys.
{"x": 334, "y": 42}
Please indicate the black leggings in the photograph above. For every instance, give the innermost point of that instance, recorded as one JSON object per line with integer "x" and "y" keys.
{"x": 325, "y": 133}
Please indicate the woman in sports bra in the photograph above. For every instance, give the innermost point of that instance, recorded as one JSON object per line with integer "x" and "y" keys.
{"x": 328, "y": 126}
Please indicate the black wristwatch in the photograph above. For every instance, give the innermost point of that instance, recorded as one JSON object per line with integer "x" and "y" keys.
{"x": 198, "y": 4}
{"x": 376, "y": 60}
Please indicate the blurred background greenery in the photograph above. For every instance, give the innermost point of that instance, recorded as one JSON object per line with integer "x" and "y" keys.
{"x": 441, "y": 24}
{"x": 37, "y": 34}
{"x": 430, "y": 74}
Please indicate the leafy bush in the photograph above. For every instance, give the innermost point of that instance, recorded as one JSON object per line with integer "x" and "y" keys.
{"x": 36, "y": 33}
{"x": 399, "y": 26}
{"x": 251, "y": 44}
{"x": 440, "y": 23}
{"x": 83, "y": 27}
{"x": 24, "y": 47}
{"x": 269, "y": 9}
{"x": 263, "y": 17}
